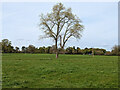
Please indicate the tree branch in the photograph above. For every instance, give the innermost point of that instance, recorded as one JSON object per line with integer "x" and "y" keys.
{"x": 66, "y": 40}
{"x": 51, "y": 32}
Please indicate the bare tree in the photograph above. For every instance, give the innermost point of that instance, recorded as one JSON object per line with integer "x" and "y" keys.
{"x": 61, "y": 24}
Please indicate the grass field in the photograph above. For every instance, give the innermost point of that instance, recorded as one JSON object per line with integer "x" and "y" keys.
{"x": 69, "y": 71}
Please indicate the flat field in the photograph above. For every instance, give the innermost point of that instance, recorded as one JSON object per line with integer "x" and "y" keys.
{"x": 68, "y": 71}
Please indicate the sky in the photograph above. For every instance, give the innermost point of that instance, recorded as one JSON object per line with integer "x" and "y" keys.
{"x": 20, "y": 23}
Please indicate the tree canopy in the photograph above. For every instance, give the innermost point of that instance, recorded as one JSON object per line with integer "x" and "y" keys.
{"x": 61, "y": 24}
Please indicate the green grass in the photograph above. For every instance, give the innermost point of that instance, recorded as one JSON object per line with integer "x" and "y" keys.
{"x": 68, "y": 71}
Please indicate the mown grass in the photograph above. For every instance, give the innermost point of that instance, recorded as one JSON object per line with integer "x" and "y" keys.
{"x": 68, "y": 71}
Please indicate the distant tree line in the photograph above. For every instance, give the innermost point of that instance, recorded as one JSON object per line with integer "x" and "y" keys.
{"x": 6, "y": 47}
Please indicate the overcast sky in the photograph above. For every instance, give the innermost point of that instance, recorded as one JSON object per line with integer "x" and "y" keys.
{"x": 20, "y": 23}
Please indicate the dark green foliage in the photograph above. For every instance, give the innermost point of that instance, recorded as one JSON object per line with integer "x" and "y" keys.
{"x": 23, "y": 49}
{"x": 7, "y": 47}
{"x": 97, "y": 51}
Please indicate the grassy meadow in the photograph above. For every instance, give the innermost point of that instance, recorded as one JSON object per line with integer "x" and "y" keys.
{"x": 68, "y": 71}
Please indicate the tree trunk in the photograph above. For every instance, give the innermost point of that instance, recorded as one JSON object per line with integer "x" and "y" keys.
{"x": 56, "y": 49}
{"x": 92, "y": 52}
{"x": 56, "y": 54}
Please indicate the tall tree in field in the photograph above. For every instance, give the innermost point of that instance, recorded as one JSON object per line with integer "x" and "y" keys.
{"x": 6, "y": 46}
{"x": 61, "y": 24}
{"x": 31, "y": 49}
{"x": 23, "y": 49}
{"x": 17, "y": 49}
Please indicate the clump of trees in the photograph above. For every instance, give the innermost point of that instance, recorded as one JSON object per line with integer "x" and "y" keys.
{"x": 116, "y": 50}
{"x": 96, "y": 51}
{"x": 6, "y": 47}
